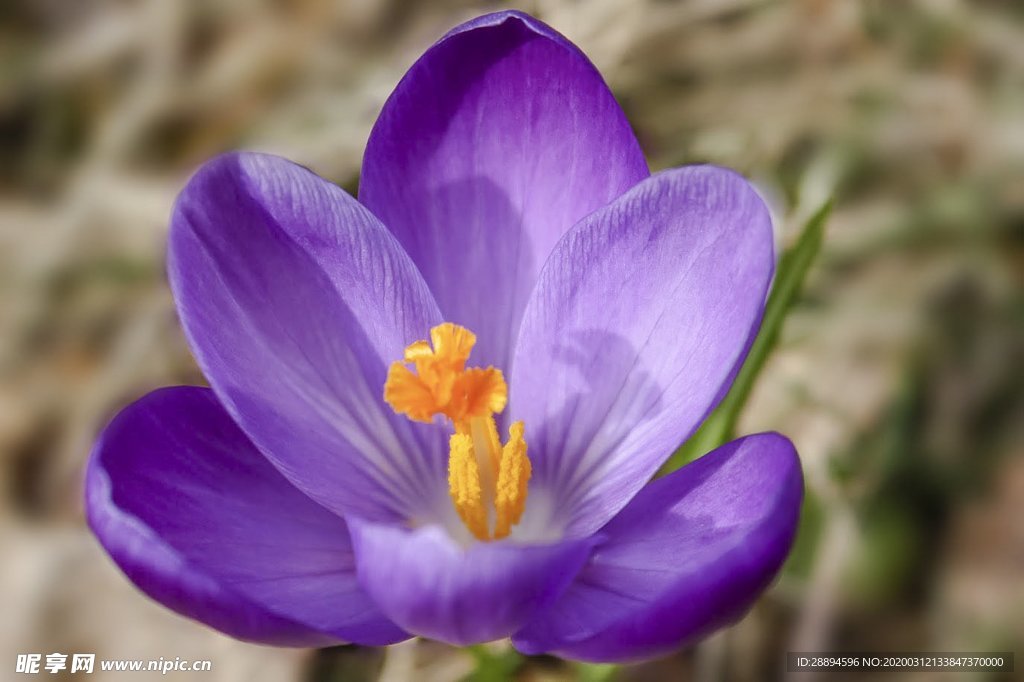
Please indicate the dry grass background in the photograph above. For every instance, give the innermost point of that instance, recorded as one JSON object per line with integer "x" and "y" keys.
{"x": 900, "y": 374}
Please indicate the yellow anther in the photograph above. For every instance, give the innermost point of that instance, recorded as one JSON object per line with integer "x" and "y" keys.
{"x": 464, "y": 485}
{"x": 487, "y": 483}
{"x": 513, "y": 475}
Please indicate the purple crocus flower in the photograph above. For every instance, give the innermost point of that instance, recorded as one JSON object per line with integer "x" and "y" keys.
{"x": 343, "y": 480}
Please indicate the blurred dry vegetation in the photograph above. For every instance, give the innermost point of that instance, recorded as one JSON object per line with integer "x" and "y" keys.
{"x": 900, "y": 373}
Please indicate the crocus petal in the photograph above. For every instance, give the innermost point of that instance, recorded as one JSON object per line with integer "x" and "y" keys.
{"x": 689, "y": 554}
{"x": 639, "y": 320}
{"x": 200, "y": 521}
{"x": 433, "y": 587}
{"x": 294, "y": 299}
{"x": 499, "y": 139}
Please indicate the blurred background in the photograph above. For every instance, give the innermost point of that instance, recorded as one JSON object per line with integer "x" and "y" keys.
{"x": 899, "y": 373}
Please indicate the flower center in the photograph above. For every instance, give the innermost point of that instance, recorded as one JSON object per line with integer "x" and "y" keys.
{"x": 487, "y": 481}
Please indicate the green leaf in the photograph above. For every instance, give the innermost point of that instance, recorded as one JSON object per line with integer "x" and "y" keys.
{"x": 595, "y": 672}
{"x": 492, "y": 666}
{"x": 793, "y": 267}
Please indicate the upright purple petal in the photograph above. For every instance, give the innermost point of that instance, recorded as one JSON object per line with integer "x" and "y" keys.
{"x": 500, "y": 138}
{"x": 433, "y": 587}
{"x": 200, "y": 521}
{"x": 640, "y": 318}
{"x": 688, "y": 555}
{"x": 295, "y": 299}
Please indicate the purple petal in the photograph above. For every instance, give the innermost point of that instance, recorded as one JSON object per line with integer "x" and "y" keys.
{"x": 201, "y": 522}
{"x": 499, "y": 139}
{"x": 690, "y": 554}
{"x": 435, "y": 588}
{"x": 295, "y": 299}
{"x": 637, "y": 324}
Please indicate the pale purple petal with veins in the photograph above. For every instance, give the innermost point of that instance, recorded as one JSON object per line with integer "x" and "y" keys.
{"x": 638, "y": 322}
{"x": 295, "y": 299}
{"x": 499, "y": 138}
